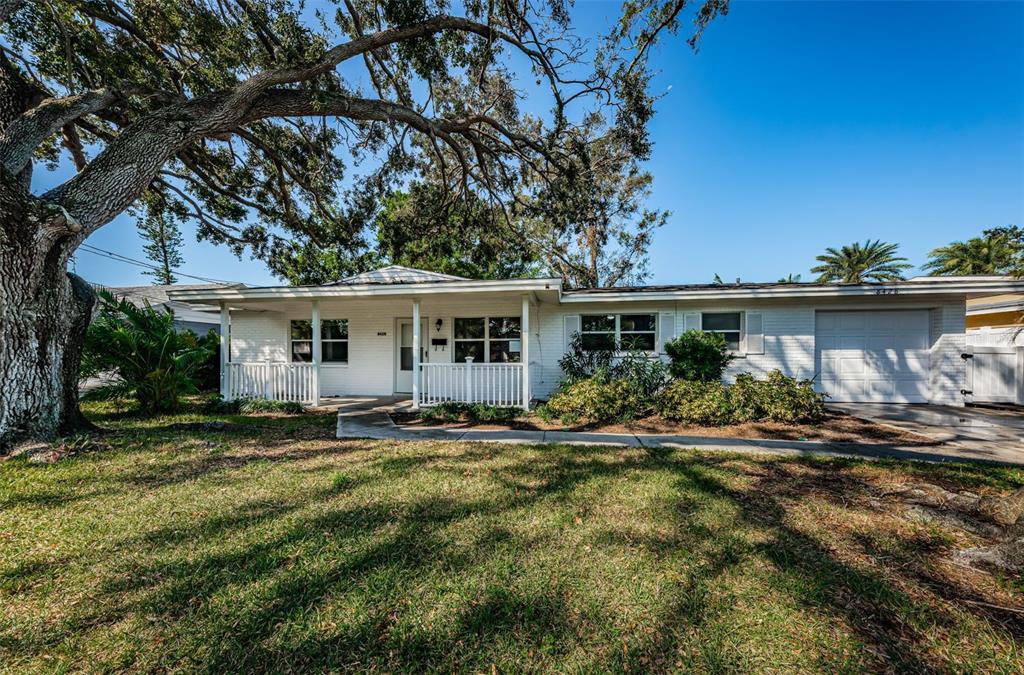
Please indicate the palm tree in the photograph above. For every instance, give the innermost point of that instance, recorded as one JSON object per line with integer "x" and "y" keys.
{"x": 789, "y": 279}
{"x": 856, "y": 264}
{"x": 987, "y": 254}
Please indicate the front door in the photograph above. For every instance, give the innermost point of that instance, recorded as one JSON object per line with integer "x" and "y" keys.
{"x": 403, "y": 354}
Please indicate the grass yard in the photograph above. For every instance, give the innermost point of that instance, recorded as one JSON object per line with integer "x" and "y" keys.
{"x": 265, "y": 545}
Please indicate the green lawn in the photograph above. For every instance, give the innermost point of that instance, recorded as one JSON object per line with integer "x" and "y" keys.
{"x": 272, "y": 546}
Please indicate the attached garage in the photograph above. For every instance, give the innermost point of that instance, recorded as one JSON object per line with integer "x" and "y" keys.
{"x": 873, "y": 356}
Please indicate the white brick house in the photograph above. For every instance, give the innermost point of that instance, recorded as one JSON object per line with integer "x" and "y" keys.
{"x": 437, "y": 337}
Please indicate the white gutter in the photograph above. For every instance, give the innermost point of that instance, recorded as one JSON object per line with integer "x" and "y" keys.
{"x": 983, "y": 286}
{"x": 362, "y": 290}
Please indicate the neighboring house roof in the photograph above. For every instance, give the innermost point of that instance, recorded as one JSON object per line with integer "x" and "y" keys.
{"x": 396, "y": 280}
{"x": 159, "y": 296}
{"x": 989, "y": 304}
{"x": 396, "y": 274}
{"x": 1005, "y": 311}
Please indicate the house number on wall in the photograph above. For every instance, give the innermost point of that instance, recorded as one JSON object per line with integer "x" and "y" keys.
{"x": 887, "y": 291}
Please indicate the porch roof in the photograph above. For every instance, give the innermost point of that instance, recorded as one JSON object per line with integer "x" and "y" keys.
{"x": 549, "y": 288}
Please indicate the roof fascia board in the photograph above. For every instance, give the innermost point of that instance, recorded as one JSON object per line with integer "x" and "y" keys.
{"x": 365, "y": 290}
{"x": 824, "y": 291}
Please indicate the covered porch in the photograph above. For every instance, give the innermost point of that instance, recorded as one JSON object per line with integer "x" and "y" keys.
{"x": 449, "y": 340}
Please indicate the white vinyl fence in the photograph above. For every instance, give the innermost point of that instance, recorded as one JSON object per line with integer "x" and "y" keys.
{"x": 995, "y": 374}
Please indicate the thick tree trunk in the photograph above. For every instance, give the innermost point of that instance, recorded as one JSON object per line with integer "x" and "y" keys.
{"x": 44, "y": 313}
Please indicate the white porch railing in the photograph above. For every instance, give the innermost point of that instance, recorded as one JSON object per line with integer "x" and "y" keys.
{"x": 498, "y": 384}
{"x": 272, "y": 381}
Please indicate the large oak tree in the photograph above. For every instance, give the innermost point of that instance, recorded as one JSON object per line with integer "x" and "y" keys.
{"x": 248, "y": 116}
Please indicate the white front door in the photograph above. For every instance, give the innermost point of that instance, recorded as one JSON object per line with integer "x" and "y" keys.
{"x": 877, "y": 356}
{"x": 403, "y": 354}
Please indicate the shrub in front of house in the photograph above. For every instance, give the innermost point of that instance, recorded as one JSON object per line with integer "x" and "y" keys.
{"x": 696, "y": 355}
{"x": 147, "y": 358}
{"x": 453, "y": 411}
{"x": 776, "y": 399}
{"x": 603, "y": 387}
{"x": 599, "y": 399}
{"x": 578, "y": 363}
{"x": 784, "y": 399}
{"x": 696, "y": 402}
{"x": 216, "y": 405}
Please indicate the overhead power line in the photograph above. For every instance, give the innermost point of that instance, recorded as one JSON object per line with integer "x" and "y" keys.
{"x": 88, "y": 248}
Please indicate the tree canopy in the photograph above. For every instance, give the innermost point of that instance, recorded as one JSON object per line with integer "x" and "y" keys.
{"x": 253, "y": 119}
{"x": 991, "y": 253}
{"x": 856, "y": 263}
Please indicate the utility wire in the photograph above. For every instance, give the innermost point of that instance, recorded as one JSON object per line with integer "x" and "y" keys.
{"x": 138, "y": 263}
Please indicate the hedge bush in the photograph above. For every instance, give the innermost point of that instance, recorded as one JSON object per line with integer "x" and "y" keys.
{"x": 784, "y": 399}
{"x": 599, "y": 399}
{"x": 604, "y": 398}
{"x": 696, "y": 402}
{"x": 776, "y": 399}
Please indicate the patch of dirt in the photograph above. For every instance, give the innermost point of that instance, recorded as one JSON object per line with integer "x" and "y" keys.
{"x": 835, "y": 427}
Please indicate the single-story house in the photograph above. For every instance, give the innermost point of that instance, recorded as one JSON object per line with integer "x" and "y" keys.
{"x": 437, "y": 337}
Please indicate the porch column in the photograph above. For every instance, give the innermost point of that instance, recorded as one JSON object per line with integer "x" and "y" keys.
{"x": 415, "y": 354}
{"x": 225, "y": 346}
{"x": 317, "y": 352}
{"x": 524, "y": 353}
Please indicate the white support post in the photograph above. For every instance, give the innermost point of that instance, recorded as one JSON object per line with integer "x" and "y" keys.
{"x": 467, "y": 391}
{"x": 416, "y": 354}
{"x": 1020, "y": 375}
{"x": 267, "y": 376}
{"x": 317, "y": 352}
{"x": 225, "y": 346}
{"x": 524, "y": 353}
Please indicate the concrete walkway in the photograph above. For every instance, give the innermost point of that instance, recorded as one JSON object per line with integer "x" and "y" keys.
{"x": 368, "y": 418}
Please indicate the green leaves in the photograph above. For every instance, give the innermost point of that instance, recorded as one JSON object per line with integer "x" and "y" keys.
{"x": 991, "y": 253}
{"x": 856, "y": 264}
{"x": 139, "y": 345}
{"x": 700, "y": 356}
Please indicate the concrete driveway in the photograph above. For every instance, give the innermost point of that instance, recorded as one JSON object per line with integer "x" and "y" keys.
{"x": 999, "y": 433}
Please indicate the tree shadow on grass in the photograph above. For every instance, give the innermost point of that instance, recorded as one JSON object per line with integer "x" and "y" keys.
{"x": 251, "y": 602}
{"x": 885, "y": 618}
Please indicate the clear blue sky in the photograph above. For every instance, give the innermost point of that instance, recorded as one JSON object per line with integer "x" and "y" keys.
{"x": 798, "y": 125}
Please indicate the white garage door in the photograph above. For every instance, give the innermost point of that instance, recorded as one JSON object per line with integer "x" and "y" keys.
{"x": 873, "y": 356}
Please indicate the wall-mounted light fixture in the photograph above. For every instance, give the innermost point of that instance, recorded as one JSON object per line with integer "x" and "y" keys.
{"x": 438, "y": 324}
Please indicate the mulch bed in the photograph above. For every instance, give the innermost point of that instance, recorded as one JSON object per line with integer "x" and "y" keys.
{"x": 835, "y": 427}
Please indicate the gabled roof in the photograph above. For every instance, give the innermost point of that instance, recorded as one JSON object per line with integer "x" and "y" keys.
{"x": 395, "y": 274}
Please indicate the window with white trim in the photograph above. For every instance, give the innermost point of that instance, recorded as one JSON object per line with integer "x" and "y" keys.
{"x": 488, "y": 339}
{"x": 727, "y": 324}
{"x": 619, "y": 331}
{"x": 333, "y": 341}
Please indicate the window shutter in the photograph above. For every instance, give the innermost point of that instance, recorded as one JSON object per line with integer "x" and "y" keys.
{"x": 666, "y": 330}
{"x": 572, "y": 325}
{"x": 691, "y": 321}
{"x": 755, "y": 333}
